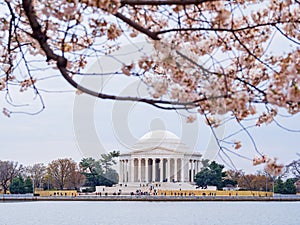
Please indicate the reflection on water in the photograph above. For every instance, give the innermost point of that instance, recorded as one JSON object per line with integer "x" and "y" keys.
{"x": 115, "y": 213}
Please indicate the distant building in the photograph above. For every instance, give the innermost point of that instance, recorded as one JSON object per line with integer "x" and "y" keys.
{"x": 159, "y": 156}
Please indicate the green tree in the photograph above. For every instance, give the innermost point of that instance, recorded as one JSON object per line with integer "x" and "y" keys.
{"x": 227, "y": 182}
{"x": 289, "y": 186}
{"x": 107, "y": 160}
{"x": 203, "y": 178}
{"x": 100, "y": 172}
{"x": 28, "y": 185}
{"x": 212, "y": 175}
{"x": 110, "y": 178}
{"x": 17, "y": 186}
{"x": 92, "y": 170}
{"x": 279, "y": 186}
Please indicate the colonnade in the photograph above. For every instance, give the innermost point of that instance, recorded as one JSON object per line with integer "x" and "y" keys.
{"x": 158, "y": 170}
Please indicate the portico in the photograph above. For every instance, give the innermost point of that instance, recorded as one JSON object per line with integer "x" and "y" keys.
{"x": 159, "y": 156}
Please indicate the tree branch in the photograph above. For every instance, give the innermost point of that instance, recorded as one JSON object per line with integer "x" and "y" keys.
{"x": 163, "y": 2}
{"x": 61, "y": 62}
{"x": 137, "y": 26}
{"x": 225, "y": 29}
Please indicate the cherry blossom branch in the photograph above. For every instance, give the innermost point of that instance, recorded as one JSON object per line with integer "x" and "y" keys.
{"x": 11, "y": 34}
{"x": 61, "y": 61}
{"x": 40, "y": 35}
{"x": 220, "y": 29}
{"x": 209, "y": 72}
{"x": 13, "y": 17}
{"x": 283, "y": 34}
{"x": 164, "y": 2}
{"x": 31, "y": 79}
{"x": 253, "y": 55}
{"x": 137, "y": 26}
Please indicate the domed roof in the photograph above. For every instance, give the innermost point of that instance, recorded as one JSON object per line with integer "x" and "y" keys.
{"x": 161, "y": 135}
{"x": 160, "y": 139}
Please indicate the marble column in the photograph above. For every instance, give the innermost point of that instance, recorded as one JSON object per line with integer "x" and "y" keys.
{"x": 121, "y": 171}
{"x": 153, "y": 169}
{"x": 161, "y": 165}
{"x": 139, "y": 169}
{"x": 192, "y": 170}
{"x": 189, "y": 170}
{"x": 126, "y": 169}
{"x": 175, "y": 170}
{"x": 182, "y": 170}
{"x": 132, "y": 170}
{"x": 146, "y": 170}
{"x": 168, "y": 174}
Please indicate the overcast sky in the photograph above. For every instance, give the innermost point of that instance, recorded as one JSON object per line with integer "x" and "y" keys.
{"x": 75, "y": 126}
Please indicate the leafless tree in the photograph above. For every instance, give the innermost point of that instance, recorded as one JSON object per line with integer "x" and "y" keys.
{"x": 294, "y": 168}
{"x": 255, "y": 182}
{"x": 77, "y": 180}
{"x": 60, "y": 172}
{"x": 8, "y": 171}
{"x": 37, "y": 173}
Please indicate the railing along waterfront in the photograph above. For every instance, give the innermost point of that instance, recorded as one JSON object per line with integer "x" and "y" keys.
{"x": 147, "y": 198}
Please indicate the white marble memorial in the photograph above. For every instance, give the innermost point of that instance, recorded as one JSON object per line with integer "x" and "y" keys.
{"x": 159, "y": 156}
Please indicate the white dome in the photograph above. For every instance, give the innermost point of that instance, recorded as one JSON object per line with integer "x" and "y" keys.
{"x": 159, "y": 134}
{"x": 160, "y": 139}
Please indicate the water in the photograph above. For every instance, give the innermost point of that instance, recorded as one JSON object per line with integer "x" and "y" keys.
{"x": 154, "y": 213}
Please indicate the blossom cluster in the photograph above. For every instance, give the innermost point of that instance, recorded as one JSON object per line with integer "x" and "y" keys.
{"x": 25, "y": 84}
{"x": 271, "y": 165}
{"x": 273, "y": 168}
{"x": 192, "y": 60}
{"x": 209, "y": 54}
{"x": 2, "y": 84}
{"x": 191, "y": 118}
{"x": 6, "y": 112}
{"x": 266, "y": 117}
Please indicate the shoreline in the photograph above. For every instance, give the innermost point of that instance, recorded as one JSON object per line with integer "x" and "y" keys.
{"x": 151, "y": 198}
